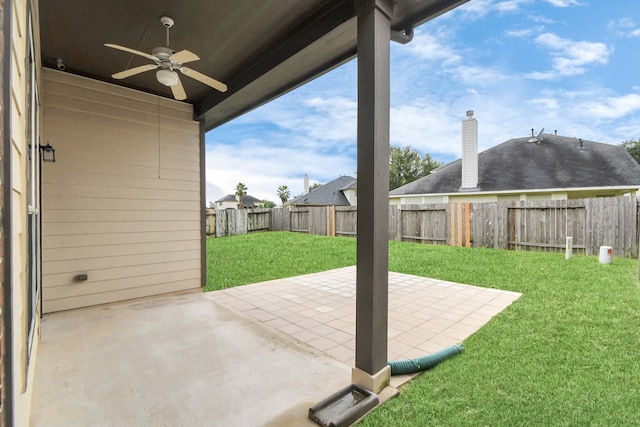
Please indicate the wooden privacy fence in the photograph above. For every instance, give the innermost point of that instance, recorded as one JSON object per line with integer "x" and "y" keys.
{"x": 237, "y": 221}
{"x": 524, "y": 225}
{"x": 517, "y": 225}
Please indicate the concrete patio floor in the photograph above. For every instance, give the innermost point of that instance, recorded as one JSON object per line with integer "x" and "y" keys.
{"x": 255, "y": 355}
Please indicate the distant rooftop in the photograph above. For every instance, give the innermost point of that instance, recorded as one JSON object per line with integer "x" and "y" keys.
{"x": 246, "y": 200}
{"x": 328, "y": 194}
{"x": 555, "y": 162}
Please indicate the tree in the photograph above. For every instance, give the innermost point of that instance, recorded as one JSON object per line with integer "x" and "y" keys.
{"x": 284, "y": 193}
{"x": 314, "y": 186}
{"x": 633, "y": 147}
{"x": 406, "y": 165}
{"x": 241, "y": 191}
{"x": 268, "y": 204}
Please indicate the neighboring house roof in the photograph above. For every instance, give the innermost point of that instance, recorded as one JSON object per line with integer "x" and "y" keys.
{"x": 247, "y": 200}
{"x": 353, "y": 185}
{"x": 328, "y": 194}
{"x": 556, "y": 162}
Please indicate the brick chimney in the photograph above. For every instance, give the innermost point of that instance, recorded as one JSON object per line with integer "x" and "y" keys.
{"x": 469, "y": 152}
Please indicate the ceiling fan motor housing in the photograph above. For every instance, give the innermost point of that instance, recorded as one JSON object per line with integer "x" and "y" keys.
{"x": 162, "y": 53}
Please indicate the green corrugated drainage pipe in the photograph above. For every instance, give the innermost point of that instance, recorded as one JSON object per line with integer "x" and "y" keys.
{"x": 400, "y": 367}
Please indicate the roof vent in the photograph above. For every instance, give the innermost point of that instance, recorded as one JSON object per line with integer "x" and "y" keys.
{"x": 581, "y": 144}
{"x": 538, "y": 138}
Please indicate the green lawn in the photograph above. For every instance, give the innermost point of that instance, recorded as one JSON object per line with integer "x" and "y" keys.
{"x": 566, "y": 353}
{"x": 251, "y": 258}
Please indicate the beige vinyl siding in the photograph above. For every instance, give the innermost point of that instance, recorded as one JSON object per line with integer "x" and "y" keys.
{"x": 122, "y": 202}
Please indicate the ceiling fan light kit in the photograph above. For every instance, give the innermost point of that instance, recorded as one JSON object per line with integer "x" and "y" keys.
{"x": 167, "y": 77}
{"x": 167, "y": 62}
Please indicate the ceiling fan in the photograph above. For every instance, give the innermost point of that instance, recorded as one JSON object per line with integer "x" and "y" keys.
{"x": 167, "y": 61}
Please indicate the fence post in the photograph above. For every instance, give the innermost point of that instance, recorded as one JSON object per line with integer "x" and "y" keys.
{"x": 211, "y": 220}
{"x": 467, "y": 225}
{"x": 634, "y": 221}
{"x": 400, "y": 223}
{"x": 333, "y": 221}
{"x": 453, "y": 222}
{"x": 327, "y": 214}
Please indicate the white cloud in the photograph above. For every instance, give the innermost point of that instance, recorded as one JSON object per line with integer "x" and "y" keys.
{"x": 564, "y": 3}
{"x": 330, "y": 119}
{"x": 477, "y": 9}
{"x": 624, "y": 27}
{"x": 592, "y": 114}
{"x": 627, "y": 131}
{"x": 549, "y": 104}
{"x": 541, "y": 19}
{"x": 279, "y": 143}
{"x": 520, "y": 33}
{"x": 510, "y": 5}
{"x": 432, "y": 124}
{"x": 612, "y": 107}
{"x": 262, "y": 168}
{"x": 570, "y": 57}
{"x": 428, "y": 47}
{"x": 471, "y": 10}
{"x": 476, "y": 75}
{"x": 427, "y": 126}
{"x": 525, "y": 32}
{"x": 624, "y": 23}
{"x": 213, "y": 192}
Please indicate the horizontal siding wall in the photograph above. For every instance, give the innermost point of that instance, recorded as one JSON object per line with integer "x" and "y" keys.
{"x": 122, "y": 202}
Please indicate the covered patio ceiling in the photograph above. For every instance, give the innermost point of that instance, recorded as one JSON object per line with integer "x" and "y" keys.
{"x": 260, "y": 48}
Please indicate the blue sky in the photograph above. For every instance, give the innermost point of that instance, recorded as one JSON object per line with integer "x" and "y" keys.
{"x": 566, "y": 65}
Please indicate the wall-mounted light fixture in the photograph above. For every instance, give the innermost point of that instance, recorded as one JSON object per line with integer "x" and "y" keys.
{"x": 47, "y": 153}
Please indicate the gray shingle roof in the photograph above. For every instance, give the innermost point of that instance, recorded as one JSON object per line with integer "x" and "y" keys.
{"x": 247, "y": 200}
{"x": 327, "y": 194}
{"x": 556, "y": 162}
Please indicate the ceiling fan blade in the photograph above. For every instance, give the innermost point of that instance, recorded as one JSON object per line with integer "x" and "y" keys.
{"x": 204, "y": 79}
{"x": 135, "y": 52}
{"x": 178, "y": 91}
{"x": 184, "y": 56}
{"x": 133, "y": 71}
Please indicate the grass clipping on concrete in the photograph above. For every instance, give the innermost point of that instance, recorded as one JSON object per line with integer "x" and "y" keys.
{"x": 566, "y": 353}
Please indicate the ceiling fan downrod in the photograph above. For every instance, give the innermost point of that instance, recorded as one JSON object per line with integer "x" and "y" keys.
{"x": 168, "y": 23}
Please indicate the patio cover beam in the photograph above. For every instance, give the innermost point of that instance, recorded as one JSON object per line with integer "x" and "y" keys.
{"x": 374, "y": 17}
